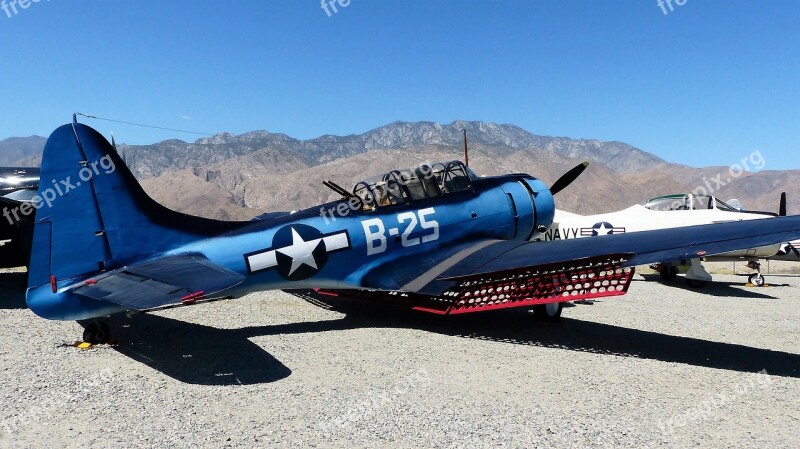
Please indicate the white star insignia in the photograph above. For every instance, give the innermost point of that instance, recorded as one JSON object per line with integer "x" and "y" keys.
{"x": 604, "y": 228}
{"x": 301, "y": 252}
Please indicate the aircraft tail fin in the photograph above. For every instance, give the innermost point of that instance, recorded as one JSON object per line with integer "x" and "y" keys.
{"x": 782, "y": 205}
{"x": 94, "y": 216}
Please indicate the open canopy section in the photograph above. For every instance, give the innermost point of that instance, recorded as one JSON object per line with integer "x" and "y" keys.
{"x": 414, "y": 184}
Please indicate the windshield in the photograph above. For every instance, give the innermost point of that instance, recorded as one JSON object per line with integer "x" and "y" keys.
{"x": 671, "y": 202}
{"x": 688, "y": 202}
{"x": 722, "y": 205}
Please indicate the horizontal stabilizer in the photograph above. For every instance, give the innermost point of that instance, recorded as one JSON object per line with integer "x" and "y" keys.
{"x": 160, "y": 282}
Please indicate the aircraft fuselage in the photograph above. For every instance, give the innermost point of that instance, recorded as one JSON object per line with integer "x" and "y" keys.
{"x": 337, "y": 245}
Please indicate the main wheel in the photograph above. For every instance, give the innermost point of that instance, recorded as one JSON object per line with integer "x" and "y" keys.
{"x": 756, "y": 279}
{"x": 548, "y": 312}
{"x": 668, "y": 273}
{"x": 97, "y": 333}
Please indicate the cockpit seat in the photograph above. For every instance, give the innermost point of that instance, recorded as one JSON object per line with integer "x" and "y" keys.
{"x": 428, "y": 181}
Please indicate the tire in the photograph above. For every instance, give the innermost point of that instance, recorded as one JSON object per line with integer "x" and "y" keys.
{"x": 756, "y": 279}
{"x": 89, "y": 333}
{"x": 548, "y": 312}
{"x": 668, "y": 273}
{"x": 97, "y": 333}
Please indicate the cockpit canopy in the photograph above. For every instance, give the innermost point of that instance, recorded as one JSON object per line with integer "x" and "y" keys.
{"x": 689, "y": 201}
{"x": 414, "y": 184}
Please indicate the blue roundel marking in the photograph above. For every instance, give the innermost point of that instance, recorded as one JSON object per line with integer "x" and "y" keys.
{"x": 300, "y": 251}
{"x": 602, "y": 228}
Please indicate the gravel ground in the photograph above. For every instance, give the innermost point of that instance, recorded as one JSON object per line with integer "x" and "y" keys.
{"x": 664, "y": 366}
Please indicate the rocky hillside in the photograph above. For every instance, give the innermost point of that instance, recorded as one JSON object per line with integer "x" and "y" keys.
{"x": 153, "y": 160}
{"x": 21, "y": 151}
{"x": 270, "y": 180}
{"x": 238, "y": 176}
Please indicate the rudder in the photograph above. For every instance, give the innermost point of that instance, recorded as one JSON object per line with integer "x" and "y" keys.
{"x": 95, "y": 216}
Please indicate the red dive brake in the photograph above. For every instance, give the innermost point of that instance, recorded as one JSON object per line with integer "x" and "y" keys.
{"x": 524, "y": 287}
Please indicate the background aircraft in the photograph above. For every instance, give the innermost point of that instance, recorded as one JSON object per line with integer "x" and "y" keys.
{"x": 436, "y": 238}
{"x": 673, "y": 211}
{"x": 18, "y": 185}
{"x": 789, "y": 251}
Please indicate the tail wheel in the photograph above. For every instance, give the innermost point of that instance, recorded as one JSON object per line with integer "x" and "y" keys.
{"x": 548, "y": 312}
{"x": 97, "y": 333}
{"x": 757, "y": 279}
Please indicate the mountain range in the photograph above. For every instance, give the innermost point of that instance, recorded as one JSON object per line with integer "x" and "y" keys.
{"x": 239, "y": 176}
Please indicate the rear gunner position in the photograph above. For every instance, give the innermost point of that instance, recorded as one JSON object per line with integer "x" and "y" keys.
{"x": 435, "y": 238}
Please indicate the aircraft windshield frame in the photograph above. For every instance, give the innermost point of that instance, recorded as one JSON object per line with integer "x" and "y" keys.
{"x": 688, "y": 201}
{"x": 722, "y": 205}
{"x": 416, "y": 184}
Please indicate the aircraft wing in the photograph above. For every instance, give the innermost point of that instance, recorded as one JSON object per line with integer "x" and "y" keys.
{"x": 160, "y": 282}
{"x": 512, "y": 273}
{"x": 502, "y": 273}
{"x": 642, "y": 248}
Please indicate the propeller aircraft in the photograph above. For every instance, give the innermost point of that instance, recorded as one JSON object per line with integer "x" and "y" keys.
{"x": 436, "y": 238}
{"x": 18, "y": 185}
{"x": 677, "y": 211}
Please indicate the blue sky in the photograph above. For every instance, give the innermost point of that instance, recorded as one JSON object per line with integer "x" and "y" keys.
{"x": 708, "y": 83}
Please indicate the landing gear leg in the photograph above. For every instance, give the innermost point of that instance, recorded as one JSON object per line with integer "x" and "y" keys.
{"x": 697, "y": 276}
{"x": 548, "y": 312}
{"x": 97, "y": 332}
{"x": 756, "y": 278}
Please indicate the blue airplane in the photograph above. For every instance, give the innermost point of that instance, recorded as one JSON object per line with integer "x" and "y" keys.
{"x": 436, "y": 238}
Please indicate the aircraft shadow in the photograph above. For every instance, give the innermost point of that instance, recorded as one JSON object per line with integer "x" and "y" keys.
{"x": 715, "y": 288}
{"x": 204, "y": 355}
{"x": 196, "y": 354}
{"x": 12, "y": 290}
{"x": 516, "y": 326}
